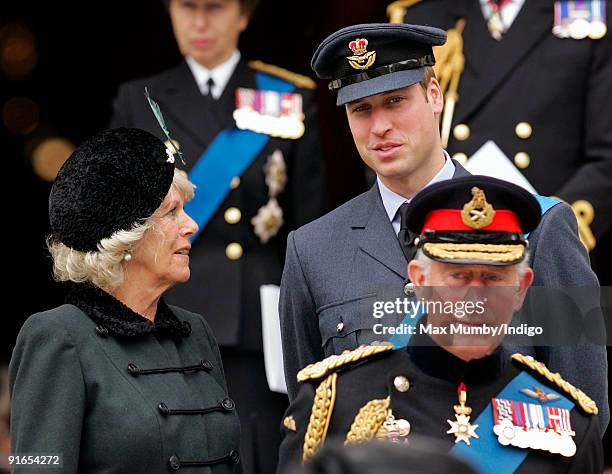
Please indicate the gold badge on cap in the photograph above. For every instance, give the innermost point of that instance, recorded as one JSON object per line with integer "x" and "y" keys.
{"x": 362, "y": 58}
{"x": 477, "y": 213}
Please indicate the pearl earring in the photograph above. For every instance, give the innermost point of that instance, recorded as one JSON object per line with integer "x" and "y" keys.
{"x": 127, "y": 257}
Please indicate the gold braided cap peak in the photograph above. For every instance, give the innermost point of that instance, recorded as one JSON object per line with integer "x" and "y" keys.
{"x": 321, "y": 368}
{"x": 299, "y": 80}
{"x": 586, "y": 403}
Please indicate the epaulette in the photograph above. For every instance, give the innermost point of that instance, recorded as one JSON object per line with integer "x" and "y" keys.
{"x": 329, "y": 364}
{"x": 304, "y": 82}
{"x": 587, "y": 404}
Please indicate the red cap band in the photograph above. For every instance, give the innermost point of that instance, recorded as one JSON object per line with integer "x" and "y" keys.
{"x": 450, "y": 220}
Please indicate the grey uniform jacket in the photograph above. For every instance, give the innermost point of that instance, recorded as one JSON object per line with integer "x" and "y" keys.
{"x": 336, "y": 262}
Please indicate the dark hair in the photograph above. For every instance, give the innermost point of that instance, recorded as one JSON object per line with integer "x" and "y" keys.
{"x": 247, "y": 6}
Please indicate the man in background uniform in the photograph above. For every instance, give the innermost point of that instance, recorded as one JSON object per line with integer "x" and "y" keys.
{"x": 248, "y": 134}
{"x": 502, "y": 412}
{"x": 535, "y": 77}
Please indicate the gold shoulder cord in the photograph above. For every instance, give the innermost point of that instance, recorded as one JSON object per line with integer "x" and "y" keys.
{"x": 299, "y": 80}
{"x": 321, "y": 368}
{"x": 585, "y": 213}
{"x": 322, "y": 408}
{"x": 450, "y": 62}
{"x": 584, "y": 401}
{"x": 368, "y": 421}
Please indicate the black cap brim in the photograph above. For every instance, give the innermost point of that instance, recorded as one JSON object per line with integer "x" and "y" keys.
{"x": 378, "y": 85}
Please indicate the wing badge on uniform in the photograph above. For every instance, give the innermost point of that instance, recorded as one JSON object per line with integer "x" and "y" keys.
{"x": 540, "y": 394}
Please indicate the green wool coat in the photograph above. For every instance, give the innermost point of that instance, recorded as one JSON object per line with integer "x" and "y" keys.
{"x": 111, "y": 392}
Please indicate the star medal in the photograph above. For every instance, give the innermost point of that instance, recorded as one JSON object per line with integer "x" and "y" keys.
{"x": 461, "y": 427}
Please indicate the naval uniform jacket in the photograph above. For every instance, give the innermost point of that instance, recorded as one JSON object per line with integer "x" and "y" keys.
{"x": 111, "y": 392}
{"x": 339, "y": 263}
{"x": 226, "y": 291}
{"x": 426, "y": 402}
{"x": 561, "y": 87}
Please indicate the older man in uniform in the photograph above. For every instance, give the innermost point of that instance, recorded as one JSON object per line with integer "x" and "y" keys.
{"x": 503, "y": 412}
{"x": 249, "y": 135}
{"x": 383, "y": 76}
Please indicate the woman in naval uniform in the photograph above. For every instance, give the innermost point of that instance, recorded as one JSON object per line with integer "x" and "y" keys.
{"x": 116, "y": 380}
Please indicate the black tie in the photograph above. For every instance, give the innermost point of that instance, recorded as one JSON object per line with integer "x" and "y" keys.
{"x": 406, "y": 238}
{"x": 210, "y": 83}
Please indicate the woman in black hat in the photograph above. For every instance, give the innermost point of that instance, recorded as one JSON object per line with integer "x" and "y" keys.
{"x": 116, "y": 380}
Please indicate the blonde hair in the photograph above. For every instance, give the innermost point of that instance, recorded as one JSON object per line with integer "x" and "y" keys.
{"x": 103, "y": 267}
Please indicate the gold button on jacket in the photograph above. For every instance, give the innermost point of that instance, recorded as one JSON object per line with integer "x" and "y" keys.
{"x": 233, "y": 251}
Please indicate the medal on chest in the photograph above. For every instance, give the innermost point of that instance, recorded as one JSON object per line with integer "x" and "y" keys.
{"x": 530, "y": 425}
{"x": 580, "y": 19}
{"x": 270, "y": 112}
{"x": 393, "y": 429}
{"x": 495, "y": 24}
{"x": 461, "y": 426}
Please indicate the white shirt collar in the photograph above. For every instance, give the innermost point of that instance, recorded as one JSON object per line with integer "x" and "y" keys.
{"x": 392, "y": 201}
{"x": 220, "y": 74}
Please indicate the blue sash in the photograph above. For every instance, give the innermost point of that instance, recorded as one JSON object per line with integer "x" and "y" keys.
{"x": 485, "y": 453}
{"x": 400, "y": 340}
{"x": 229, "y": 155}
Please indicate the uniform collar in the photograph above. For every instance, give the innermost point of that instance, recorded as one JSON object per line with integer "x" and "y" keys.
{"x": 437, "y": 362}
{"x": 392, "y": 201}
{"x": 220, "y": 74}
{"x": 118, "y": 319}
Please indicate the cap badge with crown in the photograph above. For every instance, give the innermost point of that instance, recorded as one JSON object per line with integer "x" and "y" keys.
{"x": 361, "y": 58}
{"x": 477, "y": 213}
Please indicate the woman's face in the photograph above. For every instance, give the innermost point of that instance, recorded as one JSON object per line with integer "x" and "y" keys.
{"x": 161, "y": 258}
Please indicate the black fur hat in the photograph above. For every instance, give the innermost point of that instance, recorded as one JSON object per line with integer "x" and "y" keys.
{"x": 114, "y": 180}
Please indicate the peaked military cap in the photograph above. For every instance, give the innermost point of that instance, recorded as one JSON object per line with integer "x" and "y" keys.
{"x": 111, "y": 182}
{"x": 473, "y": 219}
{"x": 367, "y": 59}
